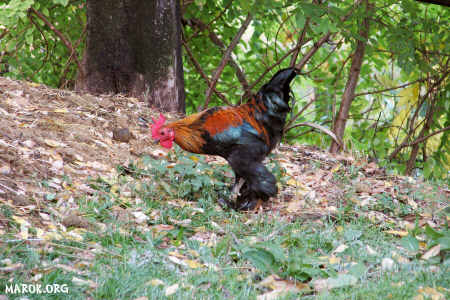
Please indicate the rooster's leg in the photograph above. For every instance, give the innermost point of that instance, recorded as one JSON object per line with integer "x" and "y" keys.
{"x": 237, "y": 190}
{"x": 259, "y": 184}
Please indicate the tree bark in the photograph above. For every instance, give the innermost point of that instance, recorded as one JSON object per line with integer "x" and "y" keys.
{"x": 349, "y": 92}
{"x": 134, "y": 48}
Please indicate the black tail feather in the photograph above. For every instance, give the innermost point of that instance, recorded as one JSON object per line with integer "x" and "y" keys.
{"x": 280, "y": 82}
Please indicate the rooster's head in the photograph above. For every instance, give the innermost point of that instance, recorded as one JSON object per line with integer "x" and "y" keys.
{"x": 162, "y": 134}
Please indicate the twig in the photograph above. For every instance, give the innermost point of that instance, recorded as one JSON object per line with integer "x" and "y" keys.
{"x": 9, "y": 189}
{"x": 216, "y": 40}
{"x": 4, "y": 33}
{"x": 299, "y": 43}
{"x": 276, "y": 35}
{"x": 293, "y": 119}
{"x": 321, "y": 128}
{"x": 225, "y": 58}
{"x": 261, "y": 77}
{"x": 420, "y": 140}
{"x": 210, "y": 22}
{"x": 65, "y": 41}
{"x": 390, "y": 89}
{"x": 325, "y": 59}
{"x": 311, "y": 51}
{"x": 416, "y": 113}
{"x": 202, "y": 74}
{"x": 44, "y": 61}
{"x": 66, "y": 69}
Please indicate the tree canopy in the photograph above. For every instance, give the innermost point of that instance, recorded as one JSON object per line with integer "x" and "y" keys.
{"x": 398, "y": 109}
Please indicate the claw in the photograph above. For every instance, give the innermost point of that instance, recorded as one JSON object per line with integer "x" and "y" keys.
{"x": 248, "y": 205}
{"x": 225, "y": 204}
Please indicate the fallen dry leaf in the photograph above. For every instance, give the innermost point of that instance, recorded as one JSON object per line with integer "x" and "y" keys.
{"x": 170, "y": 290}
{"x": 341, "y": 248}
{"x": 430, "y": 293}
{"x": 341, "y": 280}
{"x": 279, "y": 287}
{"x": 193, "y": 264}
{"x": 432, "y": 252}
{"x": 156, "y": 282}
{"x": 88, "y": 282}
{"x": 401, "y": 233}
{"x": 387, "y": 264}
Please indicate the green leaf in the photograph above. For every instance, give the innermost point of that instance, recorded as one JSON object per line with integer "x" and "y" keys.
{"x": 300, "y": 19}
{"x": 200, "y": 3}
{"x": 12, "y": 45}
{"x": 29, "y": 37}
{"x": 20, "y": 5}
{"x": 62, "y": 2}
{"x": 410, "y": 243}
{"x": 222, "y": 247}
{"x": 444, "y": 242}
{"x": 358, "y": 270}
{"x": 431, "y": 233}
{"x": 276, "y": 250}
{"x": 261, "y": 259}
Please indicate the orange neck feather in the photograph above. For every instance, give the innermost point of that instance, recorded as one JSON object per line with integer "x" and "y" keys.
{"x": 187, "y": 136}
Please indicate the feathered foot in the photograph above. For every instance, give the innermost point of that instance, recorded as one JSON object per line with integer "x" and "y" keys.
{"x": 244, "y": 205}
{"x": 248, "y": 205}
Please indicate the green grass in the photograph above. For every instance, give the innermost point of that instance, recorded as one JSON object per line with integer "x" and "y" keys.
{"x": 212, "y": 253}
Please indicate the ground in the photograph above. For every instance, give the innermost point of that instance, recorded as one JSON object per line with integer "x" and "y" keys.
{"x": 87, "y": 200}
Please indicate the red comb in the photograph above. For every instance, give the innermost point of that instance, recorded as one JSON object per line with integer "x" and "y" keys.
{"x": 156, "y": 125}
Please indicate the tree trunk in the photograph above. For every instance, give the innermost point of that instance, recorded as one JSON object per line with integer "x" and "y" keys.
{"x": 349, "y": 92}
{"x": 134, "y": 48}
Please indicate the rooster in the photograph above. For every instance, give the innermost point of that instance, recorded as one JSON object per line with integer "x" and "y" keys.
{"x": 244, "y": 135}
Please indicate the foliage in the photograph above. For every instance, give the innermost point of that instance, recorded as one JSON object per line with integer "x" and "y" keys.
{"x": 31, "y": 50}
{"x": 408, "y": 43}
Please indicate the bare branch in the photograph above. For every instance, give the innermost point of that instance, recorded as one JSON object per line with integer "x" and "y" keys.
{"x": 225, "y": 59}
{"x": 293, "y": 119}
{"x": 47, "y": 52}
{"x": 300, "y": 43}
{"x": 66, "y": 70}
{"x": 325, "y": 59}
{"x": 390, "y": 89}
{"x": 210, "y": 22}
{"x": 200, "y": 71}
{"x": 261, "y": 77}
{"x": 61, "y": 36}
{"x": 404, "y": 143}
{"x": 321, "y": 128}
{"x": 420, "y": 140}
{"x": 216, "y": 40}
{"x": 312, "y": 50}
{"x": 4, "y": 33}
